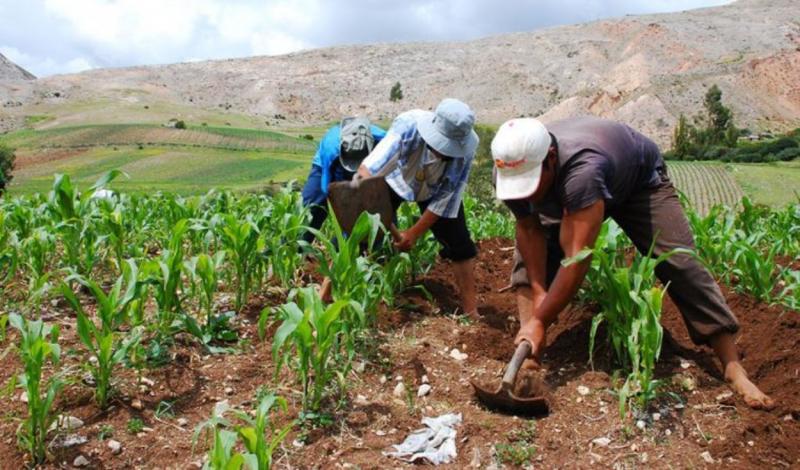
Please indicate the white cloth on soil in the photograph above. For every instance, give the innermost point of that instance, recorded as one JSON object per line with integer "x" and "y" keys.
{"x": 436, "y": 443}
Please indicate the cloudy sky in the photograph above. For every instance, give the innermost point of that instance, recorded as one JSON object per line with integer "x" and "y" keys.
{"x": 61, "y": 36}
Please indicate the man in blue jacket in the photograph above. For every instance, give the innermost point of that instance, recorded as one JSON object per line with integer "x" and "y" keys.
{"x": 340, "y": 152}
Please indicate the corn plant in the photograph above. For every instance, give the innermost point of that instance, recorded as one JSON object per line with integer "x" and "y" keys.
{"x": 314, "y": 335}
{"x": 8, "y": 250}
{"x": 204, "y": 271}
{"x": 38, "y": 345}
{"x": 74, "y": 214}
{"x": 423, "y": 254}
{"x": 37, "y": 252}
{"x": 288, "y": 219}
{"x": 631, "y": 307}
{"x": 353, "y": 276}
{"x": 113, "y": 226}
{"x": 485, "y": 221}
{"x": 103, "y": 341}
{"x": 257, "y": 434}
{"x": 755, "y": 270}
{"x": 164, "y": 276}
{"x": 241, "y": 239}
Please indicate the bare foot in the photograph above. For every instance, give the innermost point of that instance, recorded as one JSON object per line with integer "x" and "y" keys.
{"x": 741, "y": 384}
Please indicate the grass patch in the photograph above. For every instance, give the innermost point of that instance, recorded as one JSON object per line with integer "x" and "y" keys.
{"x": 185, "y": 170}
{"x": 773, "y": 184}
{"x": 31, "y": 121}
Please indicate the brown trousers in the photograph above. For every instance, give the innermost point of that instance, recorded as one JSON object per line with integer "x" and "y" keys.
{"x": 657, "y": 212}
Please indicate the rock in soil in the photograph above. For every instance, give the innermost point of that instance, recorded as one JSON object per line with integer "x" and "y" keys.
{"x": 707, "y": 457}
{"x": 424, "y": 390}
{"x": 601, "y": 441}
{"x": 70, "y": 440}
{"x": 66, "y": 422}
{"x": 136, "y": 404}
{"x": 458, "y": 355}
{"x": 80, "y": 461}
{"x": 399, "y": 390}
{"x": 115, "y": 446}
{"x": 182, "y": 422}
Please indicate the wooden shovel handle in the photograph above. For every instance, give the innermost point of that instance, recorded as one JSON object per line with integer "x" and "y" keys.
{"x": 523, "y": 351}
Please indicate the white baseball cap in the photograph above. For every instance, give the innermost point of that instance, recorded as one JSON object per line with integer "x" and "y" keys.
{"x": 519, "y": 148}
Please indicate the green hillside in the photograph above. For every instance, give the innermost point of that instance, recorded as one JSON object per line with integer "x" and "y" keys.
{"x": 156, "y": 157}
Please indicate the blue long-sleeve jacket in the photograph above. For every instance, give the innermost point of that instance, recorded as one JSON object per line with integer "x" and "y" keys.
{"x": 329, "y": 150}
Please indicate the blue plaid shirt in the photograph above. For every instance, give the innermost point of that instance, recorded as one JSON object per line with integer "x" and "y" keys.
{"x": 402, "y": 140}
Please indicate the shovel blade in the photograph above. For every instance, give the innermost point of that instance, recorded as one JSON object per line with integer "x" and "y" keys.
{"x": 507, "y": 402}
{"x": 371, "y": 196}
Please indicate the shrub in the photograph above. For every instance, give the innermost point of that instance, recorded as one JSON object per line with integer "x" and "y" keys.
{"x": 7, "y": 158}
{"x": 396, "y": 93}
{"x": 788, "y": 154}
{"x": 778, "y": 145}
{"x": 180, "y": 125}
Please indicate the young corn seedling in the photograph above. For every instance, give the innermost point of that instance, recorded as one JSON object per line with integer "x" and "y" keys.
{"x": 631, "y": 308}
{"x": 312, "y": 334}
{"x": 204, "y": 270}
{"x": 242, "y": 241}
{"x": 257, "y": 434}
{"x": 37, "y": 252}
{"x": 74, "y": 215}
{"x": 755, "y": 270}
{"x": 103, "y": 341}
{"x": 163, "y": 275}
{"x": 38, "y": 345}
{"x": 353, "y": 276}
{"x": 288, "y": 219}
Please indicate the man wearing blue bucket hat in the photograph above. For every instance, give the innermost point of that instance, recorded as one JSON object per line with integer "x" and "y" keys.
{"x": 426, "y": 157}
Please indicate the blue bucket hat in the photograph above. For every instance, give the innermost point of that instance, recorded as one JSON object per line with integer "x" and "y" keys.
{"x": 449, "y": 129}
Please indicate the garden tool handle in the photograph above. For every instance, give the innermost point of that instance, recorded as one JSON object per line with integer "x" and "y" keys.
{"x": 523, "y": 351}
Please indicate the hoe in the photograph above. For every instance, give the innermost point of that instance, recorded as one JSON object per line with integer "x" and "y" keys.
{"x": 505, "y": 400}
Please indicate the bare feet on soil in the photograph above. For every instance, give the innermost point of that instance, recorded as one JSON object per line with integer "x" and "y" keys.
{"x": 741, "y": 384}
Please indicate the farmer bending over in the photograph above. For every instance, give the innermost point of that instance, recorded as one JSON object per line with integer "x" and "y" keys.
{"x": 340, "y": 153}
{"x": 426, "y": 157}
{"x": 561, "y": 185}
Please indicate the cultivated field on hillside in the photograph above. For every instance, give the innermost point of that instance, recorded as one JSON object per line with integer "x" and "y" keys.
{"x": 188, "y": 161}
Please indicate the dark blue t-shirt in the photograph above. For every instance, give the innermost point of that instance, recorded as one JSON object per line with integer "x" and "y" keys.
{"x": 597, "y": 159}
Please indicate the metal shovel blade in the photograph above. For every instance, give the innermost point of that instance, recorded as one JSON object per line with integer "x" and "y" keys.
{"x": 505, "y": 400}
{"x": 348, "y": 202}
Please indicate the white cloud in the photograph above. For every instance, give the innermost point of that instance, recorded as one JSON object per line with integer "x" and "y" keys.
{"x": 73, "y": 35}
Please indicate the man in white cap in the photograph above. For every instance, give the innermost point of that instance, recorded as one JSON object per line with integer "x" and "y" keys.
{"x": 561, "y": 182}
{"x": 426, "y": 157}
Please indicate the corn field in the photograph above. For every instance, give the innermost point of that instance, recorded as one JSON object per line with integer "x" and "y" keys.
{"x": 139, "y": 271}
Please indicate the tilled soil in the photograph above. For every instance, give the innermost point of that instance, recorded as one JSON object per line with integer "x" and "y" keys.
{"x": 707, "y": 427}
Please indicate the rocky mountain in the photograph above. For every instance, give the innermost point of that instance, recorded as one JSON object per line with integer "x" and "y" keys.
{"x": 9, "y": 71}
{"x": 644, "y": 70}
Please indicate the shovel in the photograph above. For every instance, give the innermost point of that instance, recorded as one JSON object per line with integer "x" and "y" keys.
{"x": 370, "y": 195}
{"x": 503, "y": 398}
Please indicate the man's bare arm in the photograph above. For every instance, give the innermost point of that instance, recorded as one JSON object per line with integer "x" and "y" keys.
{"x": 532, "y": 246}
{"x": 578, "y": 231}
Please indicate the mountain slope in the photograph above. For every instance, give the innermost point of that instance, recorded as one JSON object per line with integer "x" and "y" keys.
{"x": 644, "y": 70}
{"x": 10, "y": 71}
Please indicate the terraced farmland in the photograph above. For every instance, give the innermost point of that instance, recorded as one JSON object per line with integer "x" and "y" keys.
{"x": 190, "y": 160}
{"x": 705, "y": 184}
